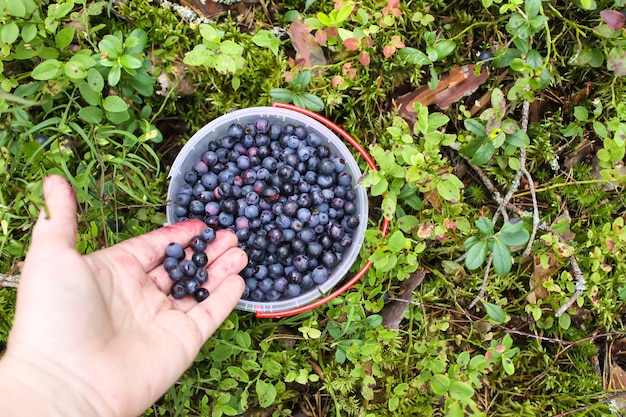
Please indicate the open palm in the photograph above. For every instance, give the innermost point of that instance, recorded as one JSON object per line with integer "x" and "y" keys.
{"x": 104, "y": 324}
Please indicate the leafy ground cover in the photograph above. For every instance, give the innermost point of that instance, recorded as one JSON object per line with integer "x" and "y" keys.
{"x": 499, "y": 130}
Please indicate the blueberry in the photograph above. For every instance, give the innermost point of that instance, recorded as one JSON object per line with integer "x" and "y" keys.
{"x": 485, "y": 56}
{"x": 209, "y": 158}
{"x": 175, "y": 250}
{"x": 209, "y": 180}
{"x": 200, "y": 294}
{"x": 300, "y": 132}
{"x": 201, "y": 276}
{"x": 180, "y": 211}
{"x": 197, "y": 244}
{"x": 225, "y": 219}
{"x": 178, "y": 290}
{"x": 257, "y": 295}
{"x": 191, "y": 285}
{"x": 235, "y": 130}
{"x": 176, "y": 273}
{"x": 266, "y": 284}
{"x": 261, "y": 272}
{"x": 320, "y": 274}
{"x": 201, "y": 167}
{"x": 170, "y": 263}
{"x": 276, "y": 271}
{"x": 43, "y": 141}
{"x": 208, "y": 235}
{"x": 190, "y": 177}
{"x": 189, "y": 267}
{"x": 196, "y": 207}
{"x": 329, "y": 259}
{"x": 200, "y": 259}
{"x": 293, "y": 290}
{"x": 301, "y": 263}
{"x": 262, "y": 125}
{"x": 293, "y": 276}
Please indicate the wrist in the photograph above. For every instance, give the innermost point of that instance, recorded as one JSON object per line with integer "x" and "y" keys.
{"x": 43, "y": 389}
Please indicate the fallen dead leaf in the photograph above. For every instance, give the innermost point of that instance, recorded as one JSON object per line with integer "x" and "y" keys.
{"x": 458, "y": 83}
{"x": 393, "y": 312}
{"x": 614, "y": 375}
{"x": 308, "y": 51}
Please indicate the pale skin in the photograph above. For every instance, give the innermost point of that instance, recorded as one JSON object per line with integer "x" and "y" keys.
{"x": 99, "y": 334}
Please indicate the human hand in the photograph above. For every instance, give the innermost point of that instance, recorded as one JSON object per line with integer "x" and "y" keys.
{"x": 98, "y": 334}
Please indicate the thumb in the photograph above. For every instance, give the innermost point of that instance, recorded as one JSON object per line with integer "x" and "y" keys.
{"x": 57, "y": 227}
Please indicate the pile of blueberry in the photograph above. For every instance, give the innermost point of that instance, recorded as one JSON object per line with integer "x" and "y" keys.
{"x": 287, "y": 197}
{"x": 189, "y": 274}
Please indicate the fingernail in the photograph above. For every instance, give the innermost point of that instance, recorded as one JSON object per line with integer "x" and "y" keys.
{"x": 47, "y": 186}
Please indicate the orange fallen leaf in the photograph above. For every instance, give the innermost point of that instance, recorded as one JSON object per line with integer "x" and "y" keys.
{"x": 308, "y": 51}
{"x": 458, "y": 83}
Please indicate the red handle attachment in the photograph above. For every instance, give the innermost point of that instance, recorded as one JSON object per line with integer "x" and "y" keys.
{"x": 384, "y": 229}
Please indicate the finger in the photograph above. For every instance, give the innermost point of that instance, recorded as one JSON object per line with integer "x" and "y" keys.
{"x": 149, "y": 249}
{"x": 223, "y": 268}
{"x": 224, "y": 241}
{"x": 56, "y": 228}
{"x": 211, "y": 313}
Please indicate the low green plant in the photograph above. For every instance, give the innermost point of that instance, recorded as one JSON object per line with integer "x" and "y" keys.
{"x": 511, "y": 235}
{"x": 297, "y": 93}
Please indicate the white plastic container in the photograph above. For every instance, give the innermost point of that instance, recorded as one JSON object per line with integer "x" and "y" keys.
{"x": 197, "y": 145}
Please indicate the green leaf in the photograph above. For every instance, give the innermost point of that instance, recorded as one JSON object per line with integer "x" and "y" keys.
{"x": 485, "y": 226}
{"x": 476, "y": 255}
{"x": 136, "y": 42}
{"x": 408, "y": 223}
{"x": 396, "y": 241}
{"x": 229, "y": 47}
{"x": 114, "y": 75}
{"x": 565, "y": 321}
{"x": 75, "y": 70}
{"x": 119, "y": 117}
{"x": 507, "y": 365}
{"x": 309, "y": 101}
{"x": 91, "y": 114}
{"x": 450, "y": 189}
{"x": 531, "y": 7}
{"x": 444, "y": 48}
{"x": 344, "y": 13}
{"x": 461, "y": 391}
{"x": 9, "y": 33}
{"x": 92, "y": 97}
{"x": 111, "y": 46}
{"x": 501, "y": 257}
{"x": 15, "y": 8}
{"x": 324, "y": 19}
{"x": 380, "y": 187}
{"x": 282, "y": 95}
{"x": 439, "y": 384}
{"x": 267, "y": 39}
{"x": 495, "y": 312}
{"x": 436, "y": 120}
{"x": 513, "y": 237}
{"x": 209, "y": 33}
{"x": 301, "y": 81}
{"x": 476, "y": 128}
{"x": 114, "y": 104}
{"x": 266, "y": 393}
{"x": 95, "y": 80}
{"x": 198, "y": 56}
{"x": 47, "y": 70}
{"x": 518, "y": 139}
{"x": 238, "y": 374}
{"x": 388, "y": 206}
{"x": 130, "y": 62}
{"x": 64, "y": 37}
{"x": 414, "y": 56}
{"x": 29, "y": 31}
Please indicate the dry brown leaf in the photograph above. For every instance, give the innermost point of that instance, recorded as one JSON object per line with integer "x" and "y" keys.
{"x": 458, "y": 83}
{"x": 308, "y": 51}
{"x": 393, "y": 312}
{"x": 540, "y": 275}
{"x": 614, "y": 377}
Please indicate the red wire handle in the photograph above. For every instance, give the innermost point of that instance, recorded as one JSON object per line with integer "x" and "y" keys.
{"x": 384, "y": 229}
